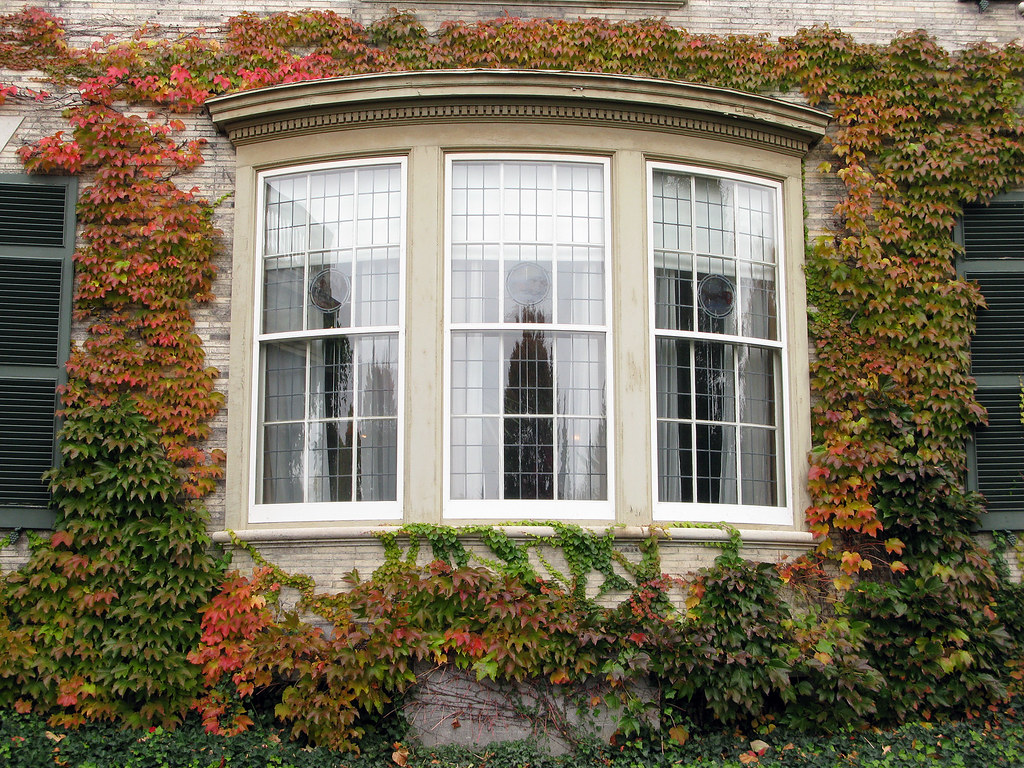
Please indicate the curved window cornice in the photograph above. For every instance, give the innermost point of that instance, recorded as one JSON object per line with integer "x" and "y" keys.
{"x": 509, "y": 95}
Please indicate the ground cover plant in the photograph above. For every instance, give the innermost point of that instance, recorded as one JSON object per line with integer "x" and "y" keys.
{"x": 899, "y": 616}
{"x": 995, "y": 739}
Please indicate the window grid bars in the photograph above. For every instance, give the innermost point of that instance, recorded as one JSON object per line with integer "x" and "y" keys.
{"x": 551, "y": 328}
{"x": 309, "y": 335}
{"x": 736, "y": 423}
{"x": 733, "y": 342}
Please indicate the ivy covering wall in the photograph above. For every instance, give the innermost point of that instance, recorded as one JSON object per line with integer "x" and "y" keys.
{"x": 898, "y": 614}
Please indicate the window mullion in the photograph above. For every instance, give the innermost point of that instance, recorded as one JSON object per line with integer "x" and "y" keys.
{"x": 555, "y": 416}
{"x": 357, "y": 413}
{"x": 737, "y": 357}
{"x": 307, "y": 422}
{"x": 693, "y": 420}
{"x": 306, "y": 253}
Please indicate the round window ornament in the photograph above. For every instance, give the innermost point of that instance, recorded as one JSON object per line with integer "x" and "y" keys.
{"x": 716, "y": 295}
{"x": 528, "y": 283}
{"x": 330, "y": 289}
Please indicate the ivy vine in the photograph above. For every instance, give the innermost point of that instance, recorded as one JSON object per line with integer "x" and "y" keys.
{"x": 917, "y": 131}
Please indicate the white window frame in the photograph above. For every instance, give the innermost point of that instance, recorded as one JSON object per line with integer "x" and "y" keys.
{"x": 706, "y": 512}
{"x": 334, "y": 510}
{"x": 530, "y": 509}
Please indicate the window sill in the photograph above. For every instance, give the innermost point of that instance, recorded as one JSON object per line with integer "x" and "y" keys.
{"x": 625, "y": 533}
{"x": 325, "y": 512}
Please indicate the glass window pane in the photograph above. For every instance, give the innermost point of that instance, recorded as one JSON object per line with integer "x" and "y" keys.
{"x": 330, "y": 460}
{"x": 675, "y": 461}
{"x": 674, "y": 293}
{"x": 673, "y": 378}
{"x": 377, "y": 358}
{"x": 580, "y": 374}
{"x": 757, "y": 385}
{"x": 331, "y": 242}
{"x": 476, "y": 458}
{"x": 475, "y": 292}
{"x": 529, "y": 378}
{"x": 286, "y": 216}
{"x": 714, "y": 381}
{"x": 755, "y": 223}
{"x": 716, "y": 295}
{"x": 284, "y": 383}
{"x": 582, "y": 459}
{"x": 581, "y": 285}
{"x": 713, "y": 202}
{"x": 283, "y": 448}
{"x": 759, "y": 301}
{"x": 672, "y": 211}
{"x": 716, "y": 463}
{"x": 528, "y": 284}
{"x": 329, "y": 290}
{"x": 476, "y": 373}
{"x": 283, "y": 281}
{"x": 330, "y": 378}
{"x": 529, "y": 458}
{"x": 759, "y": 467}
{"x": 376, "y": 287}
{"x": 378, "y": 460}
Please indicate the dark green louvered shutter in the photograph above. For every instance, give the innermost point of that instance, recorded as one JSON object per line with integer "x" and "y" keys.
{"x": 993, "y": 240}
{"x": 36, "y": 243}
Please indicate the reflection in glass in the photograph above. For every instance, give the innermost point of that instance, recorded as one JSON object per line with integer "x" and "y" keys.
{"x": 542, "y": 395}
{"x": 528, "y": 404}
{"x": 715, "y": 273}
{"x": 332, "y": 257}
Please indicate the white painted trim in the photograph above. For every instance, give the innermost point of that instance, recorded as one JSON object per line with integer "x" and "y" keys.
{"x": 783, "y": 515}
{"x": 325, "y": 511}
{"x": 750, "y": 536}
{"x": 503, "y": 509}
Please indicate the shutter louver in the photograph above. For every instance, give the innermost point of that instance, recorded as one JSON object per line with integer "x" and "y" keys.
{"x": 994, "y": 231}
{"x": 30, "y": 294}
{"x": 998, "y": 343}
{"x": 27, "y": 408}
{"x": 993, "y": 241}
{"x": 999, "y": 449}
{"x": 36, "y": 244}
{"x": 32, "y": 215}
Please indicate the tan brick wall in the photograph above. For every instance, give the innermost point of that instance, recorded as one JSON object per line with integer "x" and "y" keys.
{"x": 330, "y": 561}
{"x": 955, "y": 24}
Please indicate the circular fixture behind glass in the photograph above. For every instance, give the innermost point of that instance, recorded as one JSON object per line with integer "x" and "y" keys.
{"x": 330, "y": 290}
{"x": 528, "y": 283}
{"x": 716, "y": 295}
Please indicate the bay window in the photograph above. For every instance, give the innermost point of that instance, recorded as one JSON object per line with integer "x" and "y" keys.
{"x": 481, "y": 295}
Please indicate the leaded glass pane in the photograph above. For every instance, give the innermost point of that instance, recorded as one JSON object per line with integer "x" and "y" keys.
{"x": 283, "y": 448}
{"x": 759, "y": 466}
{"x": 675, "y": 461}
{"x": 476, "y": 458}
{"x": 331, "y": 261}
{"x": 715, "y": 272}
{"x": 377, "y": 460}
{"x": 330, "y": 460}
{"x": 539, "y": 228}
{"x": 582, "y": 459}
